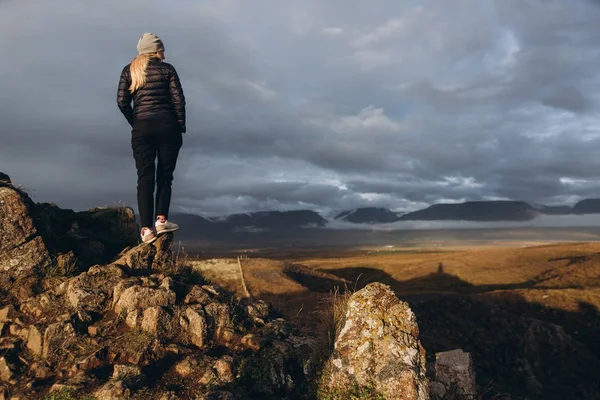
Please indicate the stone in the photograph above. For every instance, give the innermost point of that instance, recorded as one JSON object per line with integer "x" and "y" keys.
{"x": 197, "y": 328}
{"x": 215, "y": 291}
{"x": 146, "y": 258}
{"x": 225, "y": 369}
{"x": 198, "y": 295}
{"x": 132, "y": 318}
{"x": 16, "y": 330}
{"x": 209, "y": 378}
{"x": 167, "y": 283}
{"x": 6, "y": 373}
{"x": 120, "y": 287}
{"x": 455, "y": 368}
{"x": 33, "y": 308}
{"x": 259, "y": 311}
{"x": 66, "y": 263}
{"x": 57, "y": 387}
{"x": 437, "y": 390}
{"x": 139, "y": 297}
{"x": 40, "y": 370}
{"x": 82, "y": 293}
{"x": 93, "y": 330}
{"x": 55, "y": 336}
{"x": 113, "y": 390}
{"x": 186, "y": 367}
{"x": 122, "y": 371}
{"x": 157, "y": 321}
{"x": 216, "y": 395}
{"x": 8, "y": 313}
{"x": 252, "y": 342}
{"x": 34, "y": 340}
{"x": 4, "y": 178}
{"x": 173, "y": 348}
{"x": 378, "y": 348}
{"x": 22, "y": 250}
{"x": 168, "y": 396}
{"x": 220, "y": 318}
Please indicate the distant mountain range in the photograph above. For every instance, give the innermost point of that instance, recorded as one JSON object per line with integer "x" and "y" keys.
{"x": 279, "y": 221}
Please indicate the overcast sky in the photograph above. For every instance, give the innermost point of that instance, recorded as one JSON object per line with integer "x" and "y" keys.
{"x": 311, "y": 104}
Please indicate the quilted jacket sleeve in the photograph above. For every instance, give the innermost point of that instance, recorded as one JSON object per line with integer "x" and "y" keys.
{"x": 124, "y": 97}
{"x": 177, "y": 98}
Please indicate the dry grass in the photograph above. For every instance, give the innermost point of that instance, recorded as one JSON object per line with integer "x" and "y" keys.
{"x": 565, "y": 274}
{"x": 329, "y": 318}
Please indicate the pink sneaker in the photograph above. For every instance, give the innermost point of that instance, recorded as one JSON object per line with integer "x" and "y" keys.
{"x": 148, "y": 235}
{"x": 165, "y": 226}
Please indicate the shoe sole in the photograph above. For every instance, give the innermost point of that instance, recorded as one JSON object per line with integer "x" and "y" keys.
{"x": 166, "y": 231}
{"x": 149, "y": 241}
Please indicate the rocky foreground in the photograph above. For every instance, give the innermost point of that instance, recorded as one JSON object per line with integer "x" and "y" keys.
{"x": 86, "y": 312}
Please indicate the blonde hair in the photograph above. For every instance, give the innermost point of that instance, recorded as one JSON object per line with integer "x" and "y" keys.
{"x": 138, "y": 70}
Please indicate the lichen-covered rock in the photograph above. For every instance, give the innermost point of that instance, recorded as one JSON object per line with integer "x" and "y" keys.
{"x": 378, "y": 348}
{"x": 8, "y": 313}
{"x": 216, "y": 395}
{"x": 157, "y": 321}
{"x": 157, "y": 256}
{"x": 33, "y": 338}
{"x": 198, "y": 295}
{"x": 139, "y": 297}
{"x": 259, "y": 311}
{"x": 6, "y": 373}
{"x": 219, "y": 315}
{"x": 225, "y": 369}
{"x": 455, "y": 369}
{"x": 186, "y": 367}
{"x": 91, "y": 290}
{"x": 22, "y": 250}
{"x": 195, "y": 323}
{"x": 131, "y": 374}
{"x": 113, "y": 390}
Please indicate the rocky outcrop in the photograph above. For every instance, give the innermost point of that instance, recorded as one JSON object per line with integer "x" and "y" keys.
{"x": 378, "y": 350}
{"x": 42, "y": 239}
{"x": 131, "y": 320}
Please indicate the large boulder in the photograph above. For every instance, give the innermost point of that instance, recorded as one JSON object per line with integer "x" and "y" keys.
{"x": 43, "y": 239}
{"x": 22, "y": 250}
{"x": 378, "y": 350}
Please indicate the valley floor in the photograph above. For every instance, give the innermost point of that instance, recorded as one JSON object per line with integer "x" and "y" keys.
{"x": 528, "y": 312}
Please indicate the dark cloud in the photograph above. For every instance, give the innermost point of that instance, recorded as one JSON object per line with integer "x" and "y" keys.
{"x": 321, "y": 105}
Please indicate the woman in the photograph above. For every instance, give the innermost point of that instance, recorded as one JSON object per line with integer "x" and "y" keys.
{"x": 158, "y": 121}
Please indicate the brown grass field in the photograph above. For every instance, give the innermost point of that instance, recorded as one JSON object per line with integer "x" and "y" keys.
{"x": 527, "y": 313}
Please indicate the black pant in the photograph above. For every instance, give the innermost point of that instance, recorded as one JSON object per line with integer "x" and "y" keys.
{"x": 153, "y": 140}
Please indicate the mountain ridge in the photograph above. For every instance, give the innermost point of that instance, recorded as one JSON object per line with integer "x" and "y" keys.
{"x": 482, "y": 210}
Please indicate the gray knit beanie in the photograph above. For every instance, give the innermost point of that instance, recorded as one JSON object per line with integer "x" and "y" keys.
{"x": 150, "y": 43}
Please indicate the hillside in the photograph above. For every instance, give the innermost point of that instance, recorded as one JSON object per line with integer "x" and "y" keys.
{"x": 476, "y": 211}
{"x": 288, "y": 221}
{"x": 368, "y": 215}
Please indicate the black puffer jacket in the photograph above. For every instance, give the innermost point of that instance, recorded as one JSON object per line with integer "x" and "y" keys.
{"x": 160, "y": 98}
